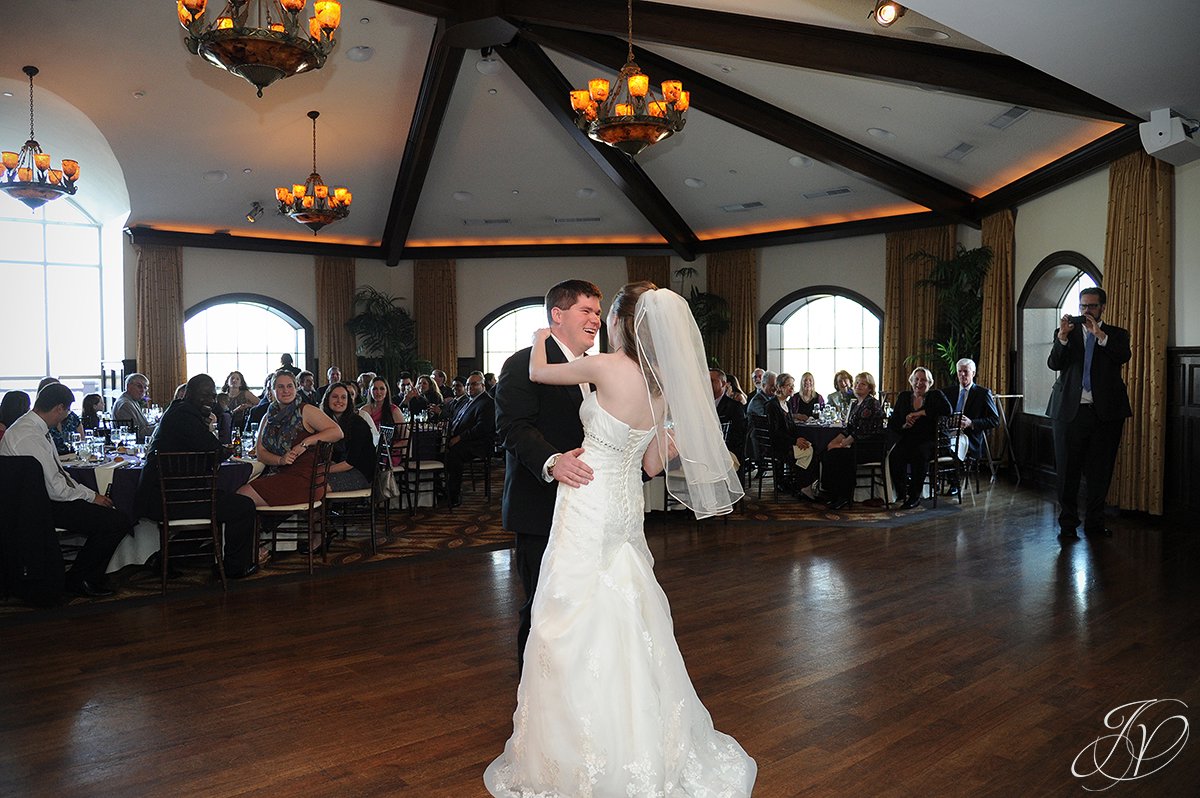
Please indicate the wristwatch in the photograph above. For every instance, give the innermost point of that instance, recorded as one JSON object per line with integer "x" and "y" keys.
{"x": 551, "y": 463}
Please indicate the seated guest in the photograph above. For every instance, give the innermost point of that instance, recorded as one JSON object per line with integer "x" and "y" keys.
{"x": 733, "y": 390}
{"x": 287, "y": 445}
{"x": 352, "y": 388}
{"x": 286, "y": 364}
{"x": 184, "y": 427}
{"x": 61, "y": 434}
{"x": 333, "y": 375}
{"x": 975, "y": 403}
{"x": 864, "y": 424}
{"x": 128, "y": 409}
{"x": 756, "y": 413}
{"x": 457, "y": 398}
{"x": 241, "y": 399}
{"x": 75, "y": 508}
{"x": 306, "y": 387}
{"x": 913, "y": 428}
{"x": 440, "y": 379}
{"x": 472, "y": 434}
{"x": 756, "y": 379}
{"x": 93, "y": 406}
{"x": 843, "y": 392}
{"x": 489, "y": 383}
{"x": 786, "y": 438}
{"x": 731, "y": 412}
{"x": 364, "y": 385}
{"x": 14, "y": 405}
{"x": 255, "y": 414}
{"x": 806, "y": 402}
{"x": 431, "y": 393}
{"x": 353, "y": 465}
{"x": 385, "y": 414}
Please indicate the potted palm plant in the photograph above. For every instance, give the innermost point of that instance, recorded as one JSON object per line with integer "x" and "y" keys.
{"x": 958, "y": 283}
{"x": 710, "y": 311}
{"x": 385, "y": 335}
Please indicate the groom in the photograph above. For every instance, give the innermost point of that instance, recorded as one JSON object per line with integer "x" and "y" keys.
{"x": 540, "y": 429}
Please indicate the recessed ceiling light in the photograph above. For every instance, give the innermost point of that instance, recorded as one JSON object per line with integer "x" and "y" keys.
{"x": 247, "y": 171}
{"x": 461, "y": 196}
{"x": 733, "y": 171}
{"x": 139, "y": 94}
{"x": 694, "y": 182}
{"x": 8, "y": 94}
{"x": 929, "y": 33}
{"x": 360, "y": 53}
{"x": 800, "y": 161}
{"x": 515, "y": 192}
{"x": 726, "y": 68}
{"x": 880, "y": 133}
{"x": 487, "y": 66}
{"x": 365, "y": 20}
{"x": 215, "y": 176}
{"x": 885, "y": 108}
{"x": 586, "y": 193}
{"x": 491, "y": 91}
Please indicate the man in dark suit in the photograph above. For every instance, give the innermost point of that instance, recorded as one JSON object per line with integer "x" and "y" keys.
{"x": 756, "y": 413}
{"x": 729, "y": 411}
{"x": 542, "y": 433}
{"x": 332, "y": 376}
{"x": 978, "y": 408}
{"x": 184, "y": 428}
{"x": 472, "y": 434}
{"x": 1088, "y": 407}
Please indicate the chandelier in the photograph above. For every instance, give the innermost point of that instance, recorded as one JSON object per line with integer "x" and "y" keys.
{"x": 27, "y": 175}
{"x": 267, "y": 49}
{"x": 627, "y": 116}
{"x": 312, "y": 204}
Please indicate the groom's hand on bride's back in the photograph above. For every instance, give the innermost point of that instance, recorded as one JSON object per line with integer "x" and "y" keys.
{"x": 570, "y": 470}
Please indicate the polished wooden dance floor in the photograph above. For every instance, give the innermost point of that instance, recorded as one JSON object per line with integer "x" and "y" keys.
{"x": 964, "y": 653}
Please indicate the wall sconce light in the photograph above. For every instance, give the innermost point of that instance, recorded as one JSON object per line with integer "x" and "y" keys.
{"x": 887, "y": 12}
{"x": 255, "y": 211}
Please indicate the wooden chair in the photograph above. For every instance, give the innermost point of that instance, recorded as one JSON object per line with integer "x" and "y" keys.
{"x": 188, "y": 486}
{"x": 485, "y": 463}
{"x": 947, "y": 466}
{"x": 383, "y": 462}
{"x": 870, "y": 464}
{"x": 422, "y": 465}
{"x": 762, "y": 460}
{"x": 313, "y": 510}
{"x": 342, "y": 502}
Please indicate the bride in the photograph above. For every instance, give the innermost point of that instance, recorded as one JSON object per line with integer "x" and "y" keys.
{"x": 605, "y": 706}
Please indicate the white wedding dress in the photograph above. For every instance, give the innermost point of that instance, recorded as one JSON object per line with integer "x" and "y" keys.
{"x": 605, "y": 706}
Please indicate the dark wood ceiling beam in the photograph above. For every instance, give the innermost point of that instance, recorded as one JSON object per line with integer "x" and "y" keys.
{"x": 437, "y": 84}
{"x": 140, "y": 235}
{"x": 772, "y": 123}
{"x": 988, "y": 76}
{"x": 535, "y": 251}
{"x": 1088, "y": 158}
{"x": 538, "y": 72}
{"x": 824, "y": 232}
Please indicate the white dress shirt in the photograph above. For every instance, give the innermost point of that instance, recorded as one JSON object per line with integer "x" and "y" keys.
{"x": 29, "y": 436}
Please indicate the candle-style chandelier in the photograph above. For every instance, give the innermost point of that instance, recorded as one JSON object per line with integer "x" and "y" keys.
{"x": 626, "y": 115}
{"x": 27, "y": 175}
{"x": 313, "y": 204}
{"x": 267, "y": 49}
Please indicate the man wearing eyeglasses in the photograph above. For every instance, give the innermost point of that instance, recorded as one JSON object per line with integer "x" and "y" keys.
{"x": 1088, "y": 408}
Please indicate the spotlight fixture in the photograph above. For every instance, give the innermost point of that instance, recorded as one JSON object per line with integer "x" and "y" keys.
{"x": 887, "y": 12}
{"x": 256, "y": 210}
{"x": 312, "y": 203}
{"x": 262, "y": 48}
{"x": 26, "y": 176}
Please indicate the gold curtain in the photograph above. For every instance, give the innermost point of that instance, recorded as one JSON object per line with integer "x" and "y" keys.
{"x": 733, "y": 276}
{"x": 655, "y": 268}
{"x": 997, "y": 342}
{"x": 160, "y": 351}
{"x": 909, "y": 311}
{"x": 1137, "y": 278}
{"x": 335, "y": 306}
{"x": 435, "y": 310}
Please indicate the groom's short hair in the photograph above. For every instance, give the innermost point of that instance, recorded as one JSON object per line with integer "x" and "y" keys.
{"x": 567, "y": 293}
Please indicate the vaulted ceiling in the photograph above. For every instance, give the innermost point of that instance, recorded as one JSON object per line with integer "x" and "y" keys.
{"x": 456, "y": 136}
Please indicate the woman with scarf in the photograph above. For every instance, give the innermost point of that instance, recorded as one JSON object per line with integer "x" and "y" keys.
{"x": 287, "y": 440}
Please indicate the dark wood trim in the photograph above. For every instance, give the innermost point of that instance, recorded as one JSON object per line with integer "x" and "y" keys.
{"x": 774, "y": 124}
{"x": 1064, "y": 257}
{"x": 139, "y": 235}
{"x": 437, "y": 84}
{"x": 795, "y": 297}
{"x": 1180, "y": 498}
{"x": 824, "y": 232}
{"x": 535, "y": 251}
{"x": 275, "y": 306}
{"x": 539, "y": 73}
{"x": 1086, "y": 159}
{"x": 988, "y": 76}
{"x": 496, "y": 313}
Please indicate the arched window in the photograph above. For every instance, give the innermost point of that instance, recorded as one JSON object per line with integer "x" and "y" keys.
{"x": 823, "y": 329}
{"x": 510, "y": 328}
{"x": 246, "y": 333}
{"x": 55, "y": 280}
{"x": 1052, "y": 291}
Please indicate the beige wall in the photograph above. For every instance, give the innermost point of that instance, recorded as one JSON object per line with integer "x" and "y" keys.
{"x": 1185, "y": 323}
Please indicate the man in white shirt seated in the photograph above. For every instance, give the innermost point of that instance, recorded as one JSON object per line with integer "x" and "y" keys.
{"x": 128, "y": 409}
{"x": 75, "y": 508}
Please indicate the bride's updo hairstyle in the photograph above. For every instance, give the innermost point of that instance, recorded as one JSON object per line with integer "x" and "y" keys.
{"x": 624, "y": 338}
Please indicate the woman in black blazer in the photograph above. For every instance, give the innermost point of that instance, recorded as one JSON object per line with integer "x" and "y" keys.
{"x": 913, "y": 427}
{"x": 840, "y": 458}
{"x": 785, "y": 434}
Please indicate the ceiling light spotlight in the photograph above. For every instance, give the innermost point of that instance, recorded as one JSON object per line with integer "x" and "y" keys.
{"x": 887, "y": 12}
{"x": 255, "y": 211}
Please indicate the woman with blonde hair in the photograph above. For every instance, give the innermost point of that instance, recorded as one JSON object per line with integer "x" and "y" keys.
{"x": 913, "y": 428}
{"x": 863, "y": 422}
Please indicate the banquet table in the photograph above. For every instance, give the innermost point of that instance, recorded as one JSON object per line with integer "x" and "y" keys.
{"x": 124, "y": 476}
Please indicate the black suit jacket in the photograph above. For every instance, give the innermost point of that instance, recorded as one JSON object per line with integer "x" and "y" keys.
{"x": 980, "y": 407}
{"x": 783, "y": 430}
{"x": 732, "y": 411}
{"x": 535, "y": 421}
{"x": 1109, "y": 397}
{"x": 183, "y": 428}
{"x": 476, "y": 427}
